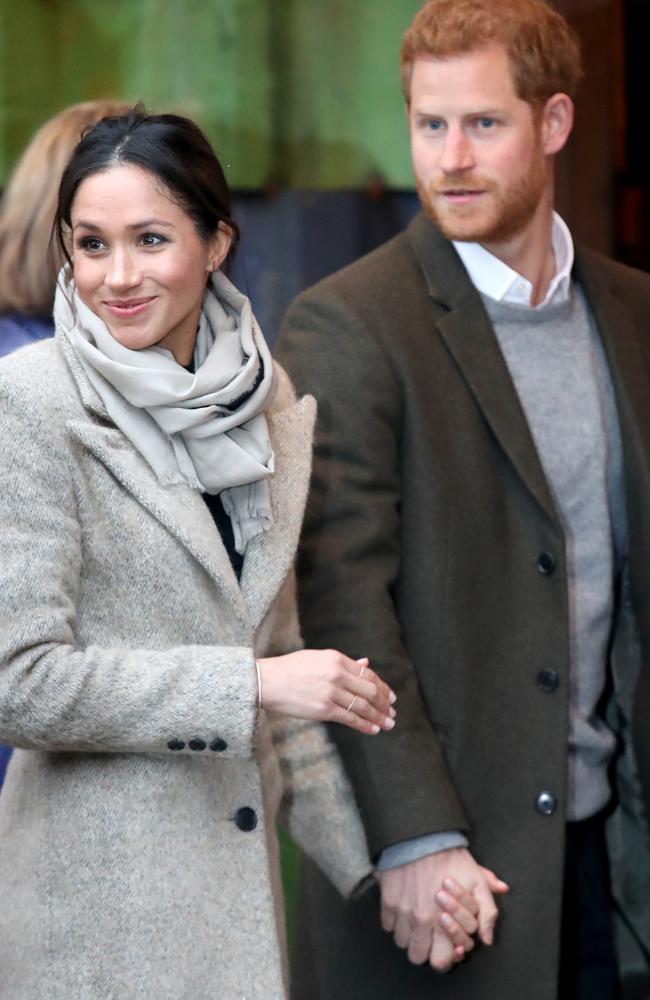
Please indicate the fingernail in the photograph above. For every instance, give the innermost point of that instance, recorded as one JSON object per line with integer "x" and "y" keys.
{"x": 392, "y": 698}
{"x": 448, "y": 883}
{"x": 446, "y": 920}
{"x": 389, "y": 723}
{"x": 443, "y": 898}
{"x": 363, "y": 659}
{"x": 392, "y": 713}
{"x": 374, "y": 729}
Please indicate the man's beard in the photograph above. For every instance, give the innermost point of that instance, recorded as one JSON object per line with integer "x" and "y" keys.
{"x": 499, "y": 215}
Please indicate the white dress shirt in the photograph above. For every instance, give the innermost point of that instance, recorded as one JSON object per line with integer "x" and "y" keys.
{"x": 492, "y": 277}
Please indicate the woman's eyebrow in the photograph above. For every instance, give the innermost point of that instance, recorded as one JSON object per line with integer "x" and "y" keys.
{"x": 93, "y": 227}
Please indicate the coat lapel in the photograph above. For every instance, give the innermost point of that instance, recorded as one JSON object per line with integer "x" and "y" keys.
{"x": 626, "y": 344}
{"x": 270, "y": 555}
{"x": 179, "y": 508}
{"x": 467, "y": 332}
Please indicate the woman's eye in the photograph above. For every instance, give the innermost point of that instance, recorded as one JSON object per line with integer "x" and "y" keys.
{"x": 152, "y": 239}
{"x": 90, "y": 243}
{"x": 486, "y": 123}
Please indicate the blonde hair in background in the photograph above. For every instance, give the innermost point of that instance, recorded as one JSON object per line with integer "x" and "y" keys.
{"x": 28, "y": 266}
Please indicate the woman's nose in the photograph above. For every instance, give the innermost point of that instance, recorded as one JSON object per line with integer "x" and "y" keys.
{"x": 122, "y": 271}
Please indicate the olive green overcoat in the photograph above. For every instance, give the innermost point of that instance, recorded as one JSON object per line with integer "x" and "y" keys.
{"x": 428, "y": 514}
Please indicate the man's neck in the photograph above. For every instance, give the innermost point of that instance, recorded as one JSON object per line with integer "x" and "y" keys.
{"x": 530, "y": 252}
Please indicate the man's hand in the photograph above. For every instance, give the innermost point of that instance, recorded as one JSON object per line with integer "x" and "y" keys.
{"x": 434, "y": 906}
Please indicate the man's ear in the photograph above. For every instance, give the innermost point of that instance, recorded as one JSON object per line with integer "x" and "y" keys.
{"x": 556, "y": 123}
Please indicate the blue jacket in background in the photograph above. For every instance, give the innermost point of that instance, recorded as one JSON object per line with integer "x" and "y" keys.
{"x": 17, "y": 330}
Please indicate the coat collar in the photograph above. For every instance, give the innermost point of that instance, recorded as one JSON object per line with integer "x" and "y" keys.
{"x": 467, "y": 332}
{"x": 182, "y": 511}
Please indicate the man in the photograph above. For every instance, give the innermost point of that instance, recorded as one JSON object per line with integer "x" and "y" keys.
{"x": 480, "y": 528}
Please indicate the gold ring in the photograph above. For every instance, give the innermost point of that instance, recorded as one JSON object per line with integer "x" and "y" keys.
{"x": 349, "y": 708}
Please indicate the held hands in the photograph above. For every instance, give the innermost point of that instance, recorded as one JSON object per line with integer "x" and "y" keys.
{"x": 434, "y": 906}
{"x": 326, "y": 685}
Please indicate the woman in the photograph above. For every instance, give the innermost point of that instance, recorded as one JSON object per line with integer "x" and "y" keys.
{"x": 27, "y": 270}
{"x": 155, "y": 471}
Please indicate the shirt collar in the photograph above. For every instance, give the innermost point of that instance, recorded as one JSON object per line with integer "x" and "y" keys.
{"x": 492, "y": 277}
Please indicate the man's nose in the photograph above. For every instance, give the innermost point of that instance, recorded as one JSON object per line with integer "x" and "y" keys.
{"x": 457, "y": 154}
{"x": 123, "y": 271}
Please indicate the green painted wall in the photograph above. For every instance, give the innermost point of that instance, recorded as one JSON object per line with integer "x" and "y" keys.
{"x": 303, "y": 93}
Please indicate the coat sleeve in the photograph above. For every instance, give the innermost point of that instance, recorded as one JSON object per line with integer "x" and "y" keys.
{"x": 54, "y": 696}
{"x": 318, "y": 807}
{"x": 350, "y": 560}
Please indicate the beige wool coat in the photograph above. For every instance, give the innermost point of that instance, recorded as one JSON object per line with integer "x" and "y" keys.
{"x": 128, "y": 869}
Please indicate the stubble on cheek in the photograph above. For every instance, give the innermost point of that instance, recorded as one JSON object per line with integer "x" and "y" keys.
{"x": 500, "y": 214}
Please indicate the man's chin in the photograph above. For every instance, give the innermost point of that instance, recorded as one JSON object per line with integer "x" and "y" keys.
{"x": 467, "y": 230}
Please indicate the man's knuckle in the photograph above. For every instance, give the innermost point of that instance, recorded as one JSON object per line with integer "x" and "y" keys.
{"x": 422, "y": 917}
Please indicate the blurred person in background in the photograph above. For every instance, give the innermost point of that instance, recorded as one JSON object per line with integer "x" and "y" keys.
{"x": 27, "y": 267}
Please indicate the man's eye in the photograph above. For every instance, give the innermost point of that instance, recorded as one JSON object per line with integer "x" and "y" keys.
{"x": 486, "y": 123}
{"x": 434, "y": 125}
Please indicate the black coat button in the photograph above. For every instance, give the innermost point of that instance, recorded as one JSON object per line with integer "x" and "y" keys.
{"x": 196, "y": 743}
{"x": 175, "y": 745}
{"x": 246, "y": 819}
{"x": 546, "y": 803}
{"x": 218, "y": 745}
{"x": 547, "y": 680}
{"x": 546, "y": 564}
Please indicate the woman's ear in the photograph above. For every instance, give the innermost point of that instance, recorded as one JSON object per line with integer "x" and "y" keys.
{"x": 556, "y": 123}
{"x": 219, "y": 246}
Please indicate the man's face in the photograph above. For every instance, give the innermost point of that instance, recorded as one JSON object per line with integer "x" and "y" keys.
{"x": 477, "y": 150}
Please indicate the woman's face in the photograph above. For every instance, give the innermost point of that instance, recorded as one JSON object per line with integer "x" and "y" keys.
{"x": 138, "y": 261}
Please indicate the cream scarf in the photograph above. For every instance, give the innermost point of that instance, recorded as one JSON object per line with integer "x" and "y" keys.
{"x": 206, "y": 429}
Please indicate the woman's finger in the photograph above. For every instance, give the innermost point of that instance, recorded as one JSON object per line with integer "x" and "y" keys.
{"x": 460, "y": 909}
{"x": 456, "y": 932}
{"x": 356, "y": 701}
{"x": 354, "y": 721}
{"x": 370, "y": 687}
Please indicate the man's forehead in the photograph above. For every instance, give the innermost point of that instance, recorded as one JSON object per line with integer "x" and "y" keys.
{"x": 482, "y": 73}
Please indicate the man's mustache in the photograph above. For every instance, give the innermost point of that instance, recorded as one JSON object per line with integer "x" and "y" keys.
{"x": 459, "y": 182}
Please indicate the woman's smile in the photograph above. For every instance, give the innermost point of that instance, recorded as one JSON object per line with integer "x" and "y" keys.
{"x": 126, "y": 308}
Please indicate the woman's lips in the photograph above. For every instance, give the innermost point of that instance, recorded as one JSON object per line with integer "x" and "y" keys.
{"x": 128, "y": 307}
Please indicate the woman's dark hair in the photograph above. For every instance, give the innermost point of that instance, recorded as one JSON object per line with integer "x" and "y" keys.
{"x": 172, "y": 148}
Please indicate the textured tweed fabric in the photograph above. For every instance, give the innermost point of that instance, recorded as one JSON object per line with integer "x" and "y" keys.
{"x": 128, "y": 869}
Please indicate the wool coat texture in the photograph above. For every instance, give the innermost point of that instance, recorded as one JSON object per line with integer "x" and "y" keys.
{"x": 128, "y": 869}
{"x": 429, "y": 511}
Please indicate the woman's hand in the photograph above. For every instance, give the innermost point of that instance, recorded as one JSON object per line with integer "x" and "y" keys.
{"x": 326, "y": 685}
